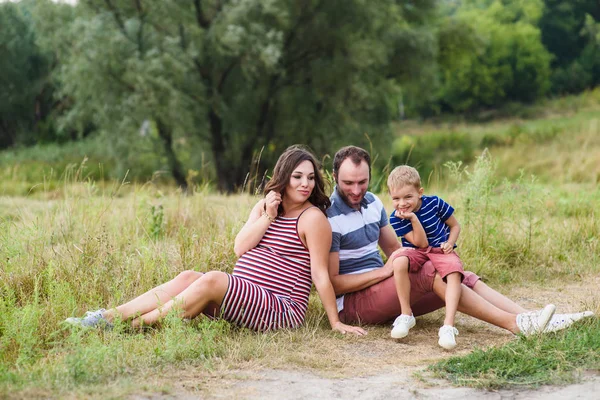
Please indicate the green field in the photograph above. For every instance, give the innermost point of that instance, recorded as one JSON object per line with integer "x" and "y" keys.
{"x": 71, "y": 242}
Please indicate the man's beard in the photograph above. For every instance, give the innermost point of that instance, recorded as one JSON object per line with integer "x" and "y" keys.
{"x": 347, "y": 200}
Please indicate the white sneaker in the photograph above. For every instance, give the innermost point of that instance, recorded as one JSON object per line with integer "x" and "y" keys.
{"x": 401, "y": 326}
{"x": 447, "y": 339}
{"x": 533, "y": 322}
{"x": 91, "y": 319}
{"x": 562, "y": 321}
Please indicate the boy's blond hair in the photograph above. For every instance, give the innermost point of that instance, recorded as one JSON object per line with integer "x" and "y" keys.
{"x": 403, "y": 175}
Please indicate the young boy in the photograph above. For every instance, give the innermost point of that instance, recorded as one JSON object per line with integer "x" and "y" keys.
{"x": 429, "y": 232}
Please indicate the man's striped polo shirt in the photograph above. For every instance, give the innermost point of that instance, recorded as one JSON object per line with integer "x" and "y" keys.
{"x": 356, "y": 233}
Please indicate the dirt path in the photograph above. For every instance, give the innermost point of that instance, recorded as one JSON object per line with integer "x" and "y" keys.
{"x": 400, "y": 384}
{"x": 374, "y": 367}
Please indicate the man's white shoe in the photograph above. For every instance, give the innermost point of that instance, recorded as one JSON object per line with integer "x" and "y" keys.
{"x": 402, "y": 325}
{"x": 562, "y": 321}
{"x": 530, "y": 323}
{"x": 447, "y": 335}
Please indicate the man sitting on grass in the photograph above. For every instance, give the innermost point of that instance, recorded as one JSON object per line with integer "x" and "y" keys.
{"x": 364, "y": 283}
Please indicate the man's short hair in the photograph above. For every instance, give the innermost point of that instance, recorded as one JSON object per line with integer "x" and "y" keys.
{"x": 403, "y": 175}
{"x": 356, "y": 154}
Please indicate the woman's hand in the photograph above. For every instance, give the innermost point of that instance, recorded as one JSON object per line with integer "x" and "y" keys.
{"x": 272, "y": 201}
{"x": 343, "y": 329}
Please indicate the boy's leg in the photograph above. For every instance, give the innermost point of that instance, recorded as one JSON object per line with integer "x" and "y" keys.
{"x": 402, "y": 282}
{"x": 378, "y": 304}
{"x": 450, "y": 268}
{"x": 453, "y": 293}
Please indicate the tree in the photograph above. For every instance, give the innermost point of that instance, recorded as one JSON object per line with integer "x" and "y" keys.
{"x": 565, "y": 27}
{"x": 490, "y": 53}
{"x": 231, "y": 76}
{"x": 24, "y": 70}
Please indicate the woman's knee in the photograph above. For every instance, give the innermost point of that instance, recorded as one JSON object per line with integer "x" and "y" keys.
{"x": 212, "y": 282}
{"x": 188, "y": 276}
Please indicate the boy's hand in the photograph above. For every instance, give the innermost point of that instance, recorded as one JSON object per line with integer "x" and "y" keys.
{"x": 447, "y": 247}
{"x": 405, "y": 215}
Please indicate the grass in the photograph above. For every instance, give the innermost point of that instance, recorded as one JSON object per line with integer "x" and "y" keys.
{"x": 528, "y": 361}
{"x": 74, "y": 243}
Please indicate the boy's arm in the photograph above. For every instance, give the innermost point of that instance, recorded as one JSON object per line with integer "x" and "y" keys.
{"x": 454, "y": 226}
{"x": 417, "y": 236}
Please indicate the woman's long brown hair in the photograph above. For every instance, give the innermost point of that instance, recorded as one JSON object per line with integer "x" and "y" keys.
{"x": 282, "y": 172}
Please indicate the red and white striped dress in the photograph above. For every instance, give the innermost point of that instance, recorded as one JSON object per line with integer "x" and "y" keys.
{"x": 270, "y": 284}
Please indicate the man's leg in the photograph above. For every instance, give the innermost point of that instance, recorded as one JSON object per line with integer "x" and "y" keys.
{"x": 496, "y": 298}
{"x": 378, "y": 304}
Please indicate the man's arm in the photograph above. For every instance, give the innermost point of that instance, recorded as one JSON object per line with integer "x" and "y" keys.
{"x": 348, "y": 283}
{"x": 388, "y": 240}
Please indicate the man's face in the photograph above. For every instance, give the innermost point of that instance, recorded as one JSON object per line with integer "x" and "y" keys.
{"x": 352, "y": 182}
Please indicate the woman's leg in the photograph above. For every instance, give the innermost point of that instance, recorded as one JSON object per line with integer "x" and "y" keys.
{"x": 210, "y": 287}
{"x": 478, "y": 307}
{"x": 154, "y": 298}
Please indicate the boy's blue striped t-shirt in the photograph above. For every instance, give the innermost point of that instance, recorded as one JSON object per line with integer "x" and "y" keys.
{"x": 432, "y": 215}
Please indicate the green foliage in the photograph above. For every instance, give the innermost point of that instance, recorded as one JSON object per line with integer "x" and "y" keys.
{"x": 157, "y": 222}
{"x": 428, "y": 153}
{"x": 533, "y": 361}
{"x": 24, "y": 69}
{"x": 231, "y": 78}
{"x": 492, "y": 55}
{"x": 570, "y": 33}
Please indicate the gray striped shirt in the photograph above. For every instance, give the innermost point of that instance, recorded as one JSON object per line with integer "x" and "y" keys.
{"x": 356, "y": 233}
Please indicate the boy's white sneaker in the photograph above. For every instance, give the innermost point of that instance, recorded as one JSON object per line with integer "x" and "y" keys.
{"x": 447, "y": 335}
{"x": 533, "y": 322}
{"x": 402, "y": 325}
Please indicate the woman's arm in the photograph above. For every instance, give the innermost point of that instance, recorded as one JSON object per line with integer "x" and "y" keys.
{"x": 314, "y": 228}
{"x": 261, "y": 216}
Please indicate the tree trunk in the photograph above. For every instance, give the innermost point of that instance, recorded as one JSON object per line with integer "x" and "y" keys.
{"x": 225, "y": 173}
{"x": 174, "y": 164}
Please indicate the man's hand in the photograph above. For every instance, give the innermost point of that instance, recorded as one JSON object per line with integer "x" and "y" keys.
{"x": 447, "y": 247}
{"x": 343, "y": 329}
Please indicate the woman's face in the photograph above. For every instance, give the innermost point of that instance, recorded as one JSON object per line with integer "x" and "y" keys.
{"x": 302, "y": 182}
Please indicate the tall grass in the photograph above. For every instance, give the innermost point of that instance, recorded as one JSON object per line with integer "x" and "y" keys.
{"x": 74, "y": 243}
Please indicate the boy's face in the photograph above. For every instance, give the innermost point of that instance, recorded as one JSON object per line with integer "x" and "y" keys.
{"x": 407, "y": 198}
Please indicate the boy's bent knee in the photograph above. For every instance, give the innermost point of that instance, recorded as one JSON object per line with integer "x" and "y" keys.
{"x": 400, "y": 264}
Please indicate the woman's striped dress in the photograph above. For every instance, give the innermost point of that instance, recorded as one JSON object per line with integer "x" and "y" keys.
{"x": 270, "y": 284}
